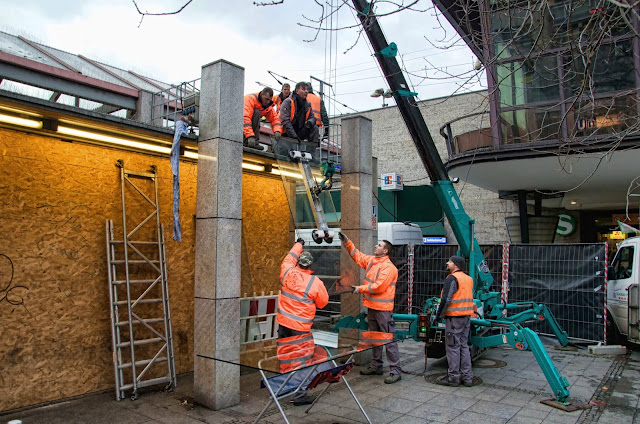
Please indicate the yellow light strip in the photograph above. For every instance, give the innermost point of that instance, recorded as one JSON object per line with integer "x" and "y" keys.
{"x": 252, "y": 167}
{"x": 20, "y": 111}
{"x": 191, "y": 155}
{"x": 115, "y": 140}
{"x": 286, "y": 174}
{"x": 30, "y": 123}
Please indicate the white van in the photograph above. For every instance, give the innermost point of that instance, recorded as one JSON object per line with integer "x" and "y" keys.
{"x": 400, "y": 233}
{"x": 623, "y": 293}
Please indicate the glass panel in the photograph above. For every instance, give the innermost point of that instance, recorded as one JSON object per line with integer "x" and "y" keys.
{"x": 326, "y": 264}
{"x": 530, "y": 81}
{"x": 519, "y": 28}
{"x": 530, "y": 125}
{"x": 602, "y": 116}
{"x": 285, "y": 355}
{"x": 611, "y": 69}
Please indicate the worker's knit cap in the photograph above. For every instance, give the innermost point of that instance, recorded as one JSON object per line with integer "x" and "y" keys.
{"x": 305, "y": 259}
{"x": 458, "y": 261}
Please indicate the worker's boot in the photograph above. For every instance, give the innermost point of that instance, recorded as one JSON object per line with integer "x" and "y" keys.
{"x": 446, "y": 381}
{"x": 371, "y": 371}
{"x": 393, "y": 378}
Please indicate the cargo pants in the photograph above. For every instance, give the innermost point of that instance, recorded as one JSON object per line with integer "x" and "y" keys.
{"x": 458, "y": 354}
{"x": 383, "y": 321}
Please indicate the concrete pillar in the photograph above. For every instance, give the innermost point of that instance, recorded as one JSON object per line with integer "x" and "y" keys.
{"x": 143, "y": 107}
{"x": 356, "y": 199}
{"x": 218, "y": 230}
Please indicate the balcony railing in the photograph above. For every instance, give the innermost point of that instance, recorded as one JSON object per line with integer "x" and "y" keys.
{"x": 578, "y": 121}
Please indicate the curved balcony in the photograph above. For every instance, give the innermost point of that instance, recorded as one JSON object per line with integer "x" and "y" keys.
{"x": 591, "y": 155}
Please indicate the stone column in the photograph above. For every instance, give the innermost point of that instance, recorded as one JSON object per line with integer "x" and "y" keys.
{"x": 356, "y": 200}
{"x": 218, "y": 230}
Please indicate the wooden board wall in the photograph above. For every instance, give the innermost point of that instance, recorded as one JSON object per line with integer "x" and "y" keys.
{"x": 54, "y": 305}
{"x": 265, "y": 238}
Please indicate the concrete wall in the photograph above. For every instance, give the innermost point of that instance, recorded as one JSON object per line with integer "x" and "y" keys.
{"x": 393, "y": 147}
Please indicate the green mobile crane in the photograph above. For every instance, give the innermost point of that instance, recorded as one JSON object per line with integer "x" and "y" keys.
{"x": 491, "y": 327}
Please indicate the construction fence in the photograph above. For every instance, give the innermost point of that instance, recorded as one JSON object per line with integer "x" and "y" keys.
{"x": 567, "y": 278}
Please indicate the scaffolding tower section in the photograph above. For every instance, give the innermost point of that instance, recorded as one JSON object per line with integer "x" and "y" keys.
{"x": 142, "y": 340}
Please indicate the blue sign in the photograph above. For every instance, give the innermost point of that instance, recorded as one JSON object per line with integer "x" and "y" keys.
{"x": 434, "y": 240}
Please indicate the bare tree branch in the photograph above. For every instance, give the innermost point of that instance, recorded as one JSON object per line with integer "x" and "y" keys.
{"x": 143, "y": 14}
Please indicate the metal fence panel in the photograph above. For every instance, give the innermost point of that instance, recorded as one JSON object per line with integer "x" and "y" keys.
{"x": 565, "y": 277}
{"x": 429, "y": 272}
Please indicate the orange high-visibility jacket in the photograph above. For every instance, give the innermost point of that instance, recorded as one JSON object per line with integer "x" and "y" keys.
{"x": 462, "y": 300}
{"x": 252, "y": 102}
{"x": 298, "y": 351}
{"x": 315, "y": 108}
{"x": 380, "y": 279}
{"x": 300, "y": 294}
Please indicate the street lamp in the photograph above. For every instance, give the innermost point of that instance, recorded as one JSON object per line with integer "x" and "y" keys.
{"x": 384, "y": 94}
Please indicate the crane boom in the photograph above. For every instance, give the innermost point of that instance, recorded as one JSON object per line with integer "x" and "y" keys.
{"x": 461, "y": 223}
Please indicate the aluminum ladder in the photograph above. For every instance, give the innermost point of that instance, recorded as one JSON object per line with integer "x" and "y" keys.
{"x": 142, "y": 340}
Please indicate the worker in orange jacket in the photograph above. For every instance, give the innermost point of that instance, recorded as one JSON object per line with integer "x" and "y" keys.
{"x": 284, "y": 93}
{"x": 318, "y": 110}
{"x": 300, "y": 294}
{"x": 457, "y": 303}
{"x": 378, "y": 294}
{"x": 296, "y": 116}
{"x": 255, "y": 107}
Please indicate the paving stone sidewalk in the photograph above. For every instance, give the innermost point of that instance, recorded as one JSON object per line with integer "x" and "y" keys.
{"x": 509, "y": 394}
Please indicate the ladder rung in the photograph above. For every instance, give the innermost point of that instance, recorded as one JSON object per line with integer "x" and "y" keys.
{"x": 140, "y": 342}
{"x": 124, "y": 302}
{"x": 134, "y": 282}
{"x": 148, "y": 243}
{"x": 143, "y": 362}
{"x": 134, "y": 262}
{"x": 146, "y": 383}
{"x": 148, "y": 321}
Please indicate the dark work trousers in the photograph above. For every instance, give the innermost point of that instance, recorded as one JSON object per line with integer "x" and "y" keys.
{"x": 383, "y": 321}
{"x": 457, "y": 346}
{"x": 310, "y": 134}
{"x": 255, "y": 125}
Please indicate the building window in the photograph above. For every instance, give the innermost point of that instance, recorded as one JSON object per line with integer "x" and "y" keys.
{"x": 530, "y": 81}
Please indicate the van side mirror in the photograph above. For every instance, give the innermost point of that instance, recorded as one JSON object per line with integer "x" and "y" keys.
{"x": 611, "y": 273}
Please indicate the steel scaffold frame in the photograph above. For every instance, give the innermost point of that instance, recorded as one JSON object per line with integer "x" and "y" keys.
{"x": 163, "y": 335}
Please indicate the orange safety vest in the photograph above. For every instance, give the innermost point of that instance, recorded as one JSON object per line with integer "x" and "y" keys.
{"x": 293, "y": 109}
{"x": 315, "y": 108}
{"x": 298, "y": 351}
{"x": 301, "y": 293}
{"x": 252, "y": 102}
{"x": 379, "y": 288}
{"x": 462, "y": 300}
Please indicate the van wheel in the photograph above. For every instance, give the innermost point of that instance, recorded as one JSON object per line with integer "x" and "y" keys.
{"x": 614, "y": 337}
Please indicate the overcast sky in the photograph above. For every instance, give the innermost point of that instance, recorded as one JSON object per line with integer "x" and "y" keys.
{"x": 260, "y": 39}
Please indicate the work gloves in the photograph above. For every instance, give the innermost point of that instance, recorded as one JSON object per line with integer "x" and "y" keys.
{"x": 251, "y": 141}
{"x": 343, "y": 237}
{"x": 300, "y": 240}
{"x": 276, "y": 135}
{"x": 355, "y": 289}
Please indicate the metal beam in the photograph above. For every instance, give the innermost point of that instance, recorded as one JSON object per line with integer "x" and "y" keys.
{"x": 109, "y": 71}
{"x": 49, "y": 55}
{"x": 51, "y": 78}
